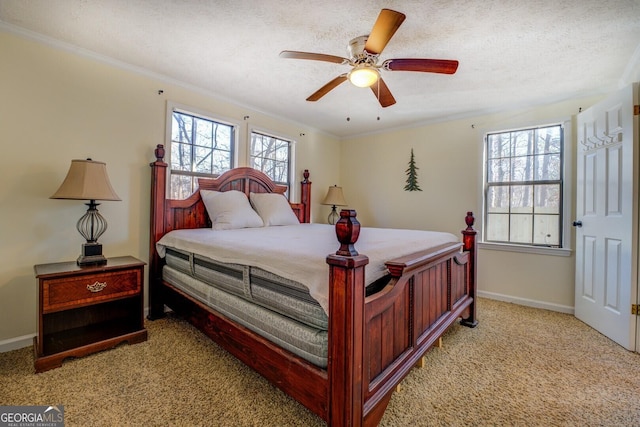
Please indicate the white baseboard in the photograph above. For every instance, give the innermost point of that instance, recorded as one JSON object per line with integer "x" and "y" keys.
{"x": 527, "y": 302}
{"x": 16, "y": 343}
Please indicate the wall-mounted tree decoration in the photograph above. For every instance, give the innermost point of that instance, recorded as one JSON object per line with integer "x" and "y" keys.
{"x": 412, "y": 176}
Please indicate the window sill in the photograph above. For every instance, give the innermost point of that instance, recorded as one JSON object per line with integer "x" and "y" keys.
{"x": 525, "y": 249}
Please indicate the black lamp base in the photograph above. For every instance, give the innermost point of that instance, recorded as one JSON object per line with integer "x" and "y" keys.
{"x": 91, "y": 255}
{"x": 333, "y": 216}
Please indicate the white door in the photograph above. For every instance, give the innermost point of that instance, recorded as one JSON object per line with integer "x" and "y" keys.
{"x": 607, "y": 216}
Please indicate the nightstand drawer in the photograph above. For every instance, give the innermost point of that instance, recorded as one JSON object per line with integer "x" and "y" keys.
{"x": 78, "y": 291}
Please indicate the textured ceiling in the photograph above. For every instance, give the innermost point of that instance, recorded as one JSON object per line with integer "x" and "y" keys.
{"x": 512, "y": 53}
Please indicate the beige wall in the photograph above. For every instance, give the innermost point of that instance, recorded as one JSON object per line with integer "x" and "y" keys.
{"x": 449, "y": 158}
{"x": 56, "y": 106}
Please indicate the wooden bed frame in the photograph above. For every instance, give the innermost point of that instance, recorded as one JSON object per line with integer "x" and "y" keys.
{"x": 374, "y": 341}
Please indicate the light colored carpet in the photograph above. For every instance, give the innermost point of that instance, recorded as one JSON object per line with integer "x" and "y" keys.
{"x": 519, "y": 367}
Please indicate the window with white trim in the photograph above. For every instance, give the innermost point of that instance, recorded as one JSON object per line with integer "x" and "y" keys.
{"x": 271, "y": 155}
{"x": 200, "y": 147}
{"x": 523, "y": 187}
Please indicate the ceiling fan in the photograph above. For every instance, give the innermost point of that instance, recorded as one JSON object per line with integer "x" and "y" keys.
{"x": 365, "y": 51}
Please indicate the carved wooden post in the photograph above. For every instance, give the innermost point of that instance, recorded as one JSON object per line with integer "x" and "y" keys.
{"x": 346, "y": 326}
{"x": 158, "y": 196}
{"x": 469, "y": 245}
{"x": 305, "y": 194}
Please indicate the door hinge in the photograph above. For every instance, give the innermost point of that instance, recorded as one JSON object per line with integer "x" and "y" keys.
{"x": 635, "y": 309}
{"x": 636, "y": 110}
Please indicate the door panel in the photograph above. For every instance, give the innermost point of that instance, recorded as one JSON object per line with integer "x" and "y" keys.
{"x": 590, "y": 195}
{"x": 612, "y": 283}
{"x": 588, "y": 273}
{"x": 614, "y": 180}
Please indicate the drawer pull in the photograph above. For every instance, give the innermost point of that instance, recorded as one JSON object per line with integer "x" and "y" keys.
{"x": 97, "y": 287}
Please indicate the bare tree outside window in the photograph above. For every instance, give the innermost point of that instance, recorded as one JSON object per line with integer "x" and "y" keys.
{"x": 523, "y": 186}
{"x": 200, "y": 147}
{"x": 271, "y": 155}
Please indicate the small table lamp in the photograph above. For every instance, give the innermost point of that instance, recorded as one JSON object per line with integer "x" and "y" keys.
{"x": 88, "y": 180}
{"x": 334, "y": 198}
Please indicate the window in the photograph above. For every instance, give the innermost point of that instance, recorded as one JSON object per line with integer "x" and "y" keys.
{"x": 523, "y": 187}
{"x": 200, "y": 147}
{"x": 271, "y": 155}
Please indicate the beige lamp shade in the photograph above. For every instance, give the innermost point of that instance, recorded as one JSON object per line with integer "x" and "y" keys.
{"x": 334, "y": 197}
{"x": 86, "y": 180}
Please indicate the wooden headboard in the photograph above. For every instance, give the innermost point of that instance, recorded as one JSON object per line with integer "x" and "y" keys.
{"x": 169, "y": 214}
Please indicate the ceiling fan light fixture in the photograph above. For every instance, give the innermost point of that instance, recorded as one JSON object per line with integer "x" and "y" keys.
{"x": 364, "y": 75}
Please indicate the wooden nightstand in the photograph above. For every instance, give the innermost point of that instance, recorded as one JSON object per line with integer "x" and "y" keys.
{"x": 82, "y": 310}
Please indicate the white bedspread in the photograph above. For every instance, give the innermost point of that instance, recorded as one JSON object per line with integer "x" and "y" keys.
{"x": 299, "y": 252}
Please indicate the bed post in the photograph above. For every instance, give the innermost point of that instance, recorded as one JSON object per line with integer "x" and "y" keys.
{"x": 158, "y": 196}
{"x": 469, "y": 245}
{"x": 346, "y": 326}
{"x": 305, "y": 195}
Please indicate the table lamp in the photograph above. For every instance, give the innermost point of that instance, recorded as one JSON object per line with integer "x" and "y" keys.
{"x": 88, "y": 180}
{"x": 334, "y": 198}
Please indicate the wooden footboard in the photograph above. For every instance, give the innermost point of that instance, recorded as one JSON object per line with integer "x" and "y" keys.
{"x": 388, "y": 332}
{"x": 374, "y": 341}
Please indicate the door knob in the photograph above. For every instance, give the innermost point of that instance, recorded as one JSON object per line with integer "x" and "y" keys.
{"x": 577, "y": 223}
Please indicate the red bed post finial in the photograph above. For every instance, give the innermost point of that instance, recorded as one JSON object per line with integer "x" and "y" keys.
{"x": 347, "y": 230}
{"x": 159, "y": 153}
{"x": 305, "y": 175}
{"x": 469, "y": 220}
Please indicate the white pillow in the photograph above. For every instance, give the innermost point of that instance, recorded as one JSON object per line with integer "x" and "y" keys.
{"x": 273, "y": 208}
{"x": 229, "y": 210}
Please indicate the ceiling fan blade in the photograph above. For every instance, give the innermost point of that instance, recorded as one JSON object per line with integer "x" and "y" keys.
{"x": 444, "y": 66}
{"x": 313, "y": 56}
{"x": 385, "y": 27}
{"x": 328, "y": 87}
{"x": 382, "y": 93}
